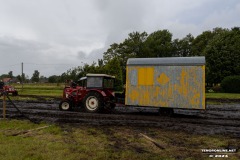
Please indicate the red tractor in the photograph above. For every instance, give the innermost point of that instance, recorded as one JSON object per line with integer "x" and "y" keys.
{"x": 8, "y": 89}
{"x": 93, "y": 92}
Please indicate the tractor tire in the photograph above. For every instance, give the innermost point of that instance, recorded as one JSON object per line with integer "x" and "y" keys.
{"x": 65, "y": 105}
{"x": 93, "y": 102}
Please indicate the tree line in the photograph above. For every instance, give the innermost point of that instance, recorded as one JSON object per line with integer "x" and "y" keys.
{"x": 23, "y": 78}
{"x": 220, "y": 46}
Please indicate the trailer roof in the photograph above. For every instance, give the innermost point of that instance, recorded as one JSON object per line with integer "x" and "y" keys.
{"x": 167, "y": 61}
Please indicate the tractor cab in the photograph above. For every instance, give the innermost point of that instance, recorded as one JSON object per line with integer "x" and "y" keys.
{"x": 93, "y": 92}
{"x": 98, "y": 81}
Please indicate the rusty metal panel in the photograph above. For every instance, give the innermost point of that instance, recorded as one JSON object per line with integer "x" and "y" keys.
{"x": 168, "y": 85}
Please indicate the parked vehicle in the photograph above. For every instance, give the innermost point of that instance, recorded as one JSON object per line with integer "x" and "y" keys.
{"x": 8, "y": 89}
{"x": 165, "y": 83}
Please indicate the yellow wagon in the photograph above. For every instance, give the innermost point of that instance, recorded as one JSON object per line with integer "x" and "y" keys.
{"x": 176, "y": 82}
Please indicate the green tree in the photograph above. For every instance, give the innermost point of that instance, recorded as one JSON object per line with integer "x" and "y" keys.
{"x": 43, "y": 79}
{"x": 21, "y": 78}
{"x": 200, "y": 43}
{"x": 10, "y": 74}
{"x": 158, "y": 44}
{"x": 183, "y": 47}
{"x": 53, "y": 79}
{"x": 223, "y": 55}
{"x": 35, "y": 76}
{"x": 131, "y": 47}
{"x": 100, "y": 62}
{"x": 134, "y": 44}
{"x": 112, "y": 52}
{"x": 113, "y": 68}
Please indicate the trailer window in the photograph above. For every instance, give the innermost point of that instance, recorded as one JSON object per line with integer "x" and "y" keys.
{"x": 133, "y": 77}
{"x": 145, "y": 76}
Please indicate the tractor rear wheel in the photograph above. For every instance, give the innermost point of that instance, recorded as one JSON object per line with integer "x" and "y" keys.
{"x": 93, "y": 102}
{"x": 65, "y": 106}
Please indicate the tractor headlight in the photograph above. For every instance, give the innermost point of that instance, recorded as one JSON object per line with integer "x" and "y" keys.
{"x": 67, "y": 95}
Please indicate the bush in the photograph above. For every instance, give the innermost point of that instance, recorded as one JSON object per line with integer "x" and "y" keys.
{"x": 231, "y": 84}
{"x": 217, "y": 89}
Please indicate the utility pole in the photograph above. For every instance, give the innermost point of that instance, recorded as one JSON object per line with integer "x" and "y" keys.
{"x": 22, "y": 75}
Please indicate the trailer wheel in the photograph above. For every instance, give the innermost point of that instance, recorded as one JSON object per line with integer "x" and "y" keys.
{"x": 166, "y": 111}
{"x": 65, "y": 106}
{"x": 108, "y": 108}
{"x": 93, "y": 102}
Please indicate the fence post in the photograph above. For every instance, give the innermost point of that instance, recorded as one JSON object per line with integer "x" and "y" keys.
{"x": 4, "y": 106}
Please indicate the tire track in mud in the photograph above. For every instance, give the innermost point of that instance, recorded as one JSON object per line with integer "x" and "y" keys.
{"x": 217, "y": 119}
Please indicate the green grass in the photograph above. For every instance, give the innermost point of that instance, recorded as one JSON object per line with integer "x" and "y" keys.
{"x": 55, "y": 90}
{"x": 107, "y": 142}
{"x": 45, "y": 89}
{"x": 223, "y": 95}
{"x": 41, "y": 92}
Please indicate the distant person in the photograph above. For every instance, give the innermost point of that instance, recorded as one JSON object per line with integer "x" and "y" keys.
{"x": 73, "y": 84}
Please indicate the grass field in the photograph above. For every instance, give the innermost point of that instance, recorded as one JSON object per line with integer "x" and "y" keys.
{"x": 223, "y": 95}
{"x": 55, "y": 90}
{"x": 45, "y": 89}
{"x": 64, "y": 142}
{"x": 94, "y": 142}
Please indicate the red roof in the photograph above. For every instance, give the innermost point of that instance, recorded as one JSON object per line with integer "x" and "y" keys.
{"x": 6, "y": 79}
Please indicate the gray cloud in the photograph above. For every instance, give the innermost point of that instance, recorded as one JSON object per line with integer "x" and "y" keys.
{"x": 53, "y": 36}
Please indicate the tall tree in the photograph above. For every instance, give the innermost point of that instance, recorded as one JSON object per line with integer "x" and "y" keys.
{"x": 183, "y": 47}
{"x": 112, "y": 52}
{"x": 200, "y": 43}
{"x": 131, "y": 47}
{"x": 35, "y": 76}
{"x": 223, "y": 55}
{"x": 158, "y": 44}
{"x": 21, "y": 78}
{"x": 113, "y": 68}
{"x": 10, "y": 74}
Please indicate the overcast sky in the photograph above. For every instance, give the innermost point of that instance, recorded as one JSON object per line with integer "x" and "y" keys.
{"x": 52, "y": 36}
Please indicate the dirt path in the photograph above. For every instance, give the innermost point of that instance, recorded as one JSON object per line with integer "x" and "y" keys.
{"x": 217, "y": 119}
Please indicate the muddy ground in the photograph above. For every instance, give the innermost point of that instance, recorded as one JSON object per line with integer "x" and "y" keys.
{"x": 223, "y": 119}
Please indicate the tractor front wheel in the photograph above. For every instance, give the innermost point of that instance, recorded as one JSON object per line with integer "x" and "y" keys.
{"x": 65, "y": 106}
{"x": 93, "y": 102}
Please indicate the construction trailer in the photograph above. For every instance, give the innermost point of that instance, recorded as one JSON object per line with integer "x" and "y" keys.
{"x": 176, "y": 82}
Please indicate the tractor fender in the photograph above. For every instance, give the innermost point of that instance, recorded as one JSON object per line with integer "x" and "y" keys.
{"x": 98, "y": 91}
